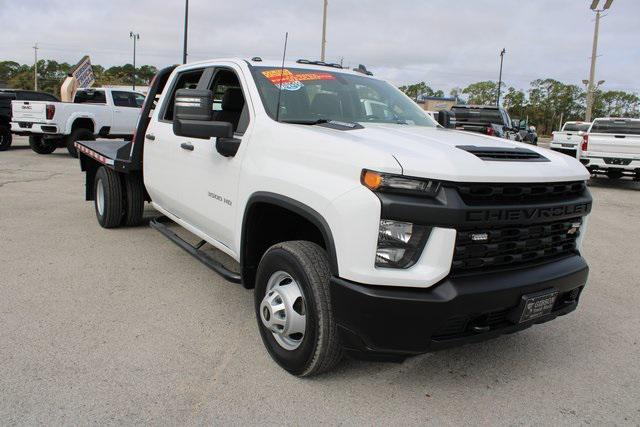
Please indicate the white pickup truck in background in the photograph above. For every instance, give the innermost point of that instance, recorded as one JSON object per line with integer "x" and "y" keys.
{"x": 568, "y": 140}
{"x": 612, "y": 147}
{"x": 109, "y": 113}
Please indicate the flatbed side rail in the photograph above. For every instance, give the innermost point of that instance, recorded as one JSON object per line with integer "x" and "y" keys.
{"x": 94, "y": 155}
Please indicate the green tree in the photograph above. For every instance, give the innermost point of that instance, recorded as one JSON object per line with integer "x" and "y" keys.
{"x": 413, "y": 90}
{"x": 482, "y": 93}
{"x": 514, "y": 102}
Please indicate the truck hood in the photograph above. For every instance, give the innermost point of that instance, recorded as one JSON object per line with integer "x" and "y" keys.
{"x": 433, "y": 153}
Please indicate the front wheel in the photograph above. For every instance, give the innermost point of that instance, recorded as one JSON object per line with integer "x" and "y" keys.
{"x": 293, "y": 308}
{"x": 42, "y": 145}
{"x": 5, "y": 138}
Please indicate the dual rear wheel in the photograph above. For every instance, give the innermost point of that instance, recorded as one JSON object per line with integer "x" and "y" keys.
{"x": 118, "y": 198}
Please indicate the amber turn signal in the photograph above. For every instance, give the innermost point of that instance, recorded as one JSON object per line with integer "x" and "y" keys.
{"x": 371, "y": 180}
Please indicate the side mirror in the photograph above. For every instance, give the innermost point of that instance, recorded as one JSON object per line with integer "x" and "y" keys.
{"x": 444, "y": 118}
{"x": 192, "y": 114}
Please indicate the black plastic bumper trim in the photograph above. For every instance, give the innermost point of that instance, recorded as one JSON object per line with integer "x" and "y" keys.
{"x": 403, "y": 321}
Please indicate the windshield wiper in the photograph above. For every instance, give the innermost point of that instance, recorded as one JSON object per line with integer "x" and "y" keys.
{"x": 306, "y": 122}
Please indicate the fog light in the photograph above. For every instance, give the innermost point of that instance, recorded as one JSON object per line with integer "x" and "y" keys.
{"x": 400, "y": 243}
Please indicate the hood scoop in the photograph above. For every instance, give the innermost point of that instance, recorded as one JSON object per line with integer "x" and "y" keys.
{"x": 503, "y": 154}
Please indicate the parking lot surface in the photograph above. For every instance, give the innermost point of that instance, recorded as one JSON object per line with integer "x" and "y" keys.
{"x": 122, "y": 326}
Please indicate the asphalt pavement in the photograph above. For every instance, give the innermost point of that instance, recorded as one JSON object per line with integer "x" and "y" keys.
{"x": 123, "y": 327}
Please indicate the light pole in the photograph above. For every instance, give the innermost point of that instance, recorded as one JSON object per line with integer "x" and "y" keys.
{"x": 35, "y": 67}
{"x": 502, "y": 52}
{"x": 324, "y": 30}
{"x": 186, "y": 24}
{"x": 135, "y": 37}
{"x": 595, "y": 90}
{"x": 591, "y": 88}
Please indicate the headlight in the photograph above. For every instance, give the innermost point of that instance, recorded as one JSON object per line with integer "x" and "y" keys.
{"x": 400, "y": 243}
{"x": 376, "y": 181}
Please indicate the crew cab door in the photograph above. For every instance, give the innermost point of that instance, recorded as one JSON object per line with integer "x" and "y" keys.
{"x": 126, "y": 111}
{"x": 166, "y": 164}
{"x": 213, "y": 178}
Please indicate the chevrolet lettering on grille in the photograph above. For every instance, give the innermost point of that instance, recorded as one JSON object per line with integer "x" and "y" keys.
{"x": 528, "y": 214}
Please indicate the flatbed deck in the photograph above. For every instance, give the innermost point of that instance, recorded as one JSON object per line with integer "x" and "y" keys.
{"x": 110, "y": 152}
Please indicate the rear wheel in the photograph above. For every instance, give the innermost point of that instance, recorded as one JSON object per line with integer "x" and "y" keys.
{"x": 134, "y": 191}
{"x": 78, "y": 135}
{"x": 293, "y": 308}
{"x": 42, "y": 145}
{"x": 108, "y": 199}
{"x": 5, "y": 137}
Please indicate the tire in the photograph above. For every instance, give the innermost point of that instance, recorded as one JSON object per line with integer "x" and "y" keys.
{"x": 5, "y": 138}
{"x": 78, "y": 135}
{"x": 42, "y": 145}
{"x": 134, "y": 200}
{"x": 108, "y": 200}
{"x": 614, "y": 174}
{"x": 304, "y": 265}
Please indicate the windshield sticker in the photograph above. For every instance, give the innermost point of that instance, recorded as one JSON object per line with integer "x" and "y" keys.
{"x": 290, "y": 81}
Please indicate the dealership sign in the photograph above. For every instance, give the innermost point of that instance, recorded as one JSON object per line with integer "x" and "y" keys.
{"x": 83, "y": 73}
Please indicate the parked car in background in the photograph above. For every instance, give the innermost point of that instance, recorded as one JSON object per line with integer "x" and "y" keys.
{"x": 612, "y": 147}
{"x": 108, "y": 113}
{"x": 486, "y": 119}
{"x": 380, "y": 236}
{"x": 432, "y": 114}
{"x": 526, "y": 132}
{"x": 8, "y": 95}
{"x": 567, "y": 141}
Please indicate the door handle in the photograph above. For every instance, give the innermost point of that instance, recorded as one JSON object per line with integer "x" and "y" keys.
{"x": 186, "y": 146}
{"x": 150, "y": 137}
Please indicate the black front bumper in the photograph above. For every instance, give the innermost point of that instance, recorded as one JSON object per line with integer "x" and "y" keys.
{"x": 389, "y": 321}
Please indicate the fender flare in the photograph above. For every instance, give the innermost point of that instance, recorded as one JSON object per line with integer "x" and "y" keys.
{"x": 297, "y": 207}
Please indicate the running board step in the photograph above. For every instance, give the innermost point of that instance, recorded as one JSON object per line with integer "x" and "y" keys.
{"x": 231, "y": 276}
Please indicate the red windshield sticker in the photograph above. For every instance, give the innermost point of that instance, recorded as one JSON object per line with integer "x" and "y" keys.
{"x": 291, "y": 81}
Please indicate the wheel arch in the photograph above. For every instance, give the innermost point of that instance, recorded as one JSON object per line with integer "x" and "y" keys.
{"x": 81, "y": 122}
{"x": 250, "y": 254}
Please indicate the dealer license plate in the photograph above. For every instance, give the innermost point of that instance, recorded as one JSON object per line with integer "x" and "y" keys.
{"x": 533, "y": 306}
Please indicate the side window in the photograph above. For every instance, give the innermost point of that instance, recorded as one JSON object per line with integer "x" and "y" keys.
{"x": 121, "y": 99}
{"x": 228, "y": 100}
{"x": 185, "y": 80}
{"x": 138, "y": 100}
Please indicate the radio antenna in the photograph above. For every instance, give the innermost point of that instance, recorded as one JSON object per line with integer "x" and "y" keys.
{"x": 284, "y": 54}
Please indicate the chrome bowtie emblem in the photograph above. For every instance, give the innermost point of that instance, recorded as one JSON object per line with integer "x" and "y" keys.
{"x": 480, "y": 237}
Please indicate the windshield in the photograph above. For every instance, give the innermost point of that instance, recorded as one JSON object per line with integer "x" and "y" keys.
{"x": 312, "y": 96}
{"x": 576, "y": 127}
{"x": 620, "y": 126}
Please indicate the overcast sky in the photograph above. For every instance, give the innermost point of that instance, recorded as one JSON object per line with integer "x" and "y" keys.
{"x": 446, "y": 43}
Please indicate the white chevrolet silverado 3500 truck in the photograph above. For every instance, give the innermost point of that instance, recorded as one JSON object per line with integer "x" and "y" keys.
{"x": 612, "y": 147}
{"x": 568, "y": 140}
{"x": 108, "y": 113}
{"x": 381, "y": 235}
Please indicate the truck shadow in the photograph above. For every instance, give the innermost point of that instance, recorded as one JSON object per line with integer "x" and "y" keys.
{"x": 622, "y": 183}
{"x": 481, "y": 366}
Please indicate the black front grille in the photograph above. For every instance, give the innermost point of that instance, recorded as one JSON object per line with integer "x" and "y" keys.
{"x": 496, "y": 193}
{"x": 498, "y": 247}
